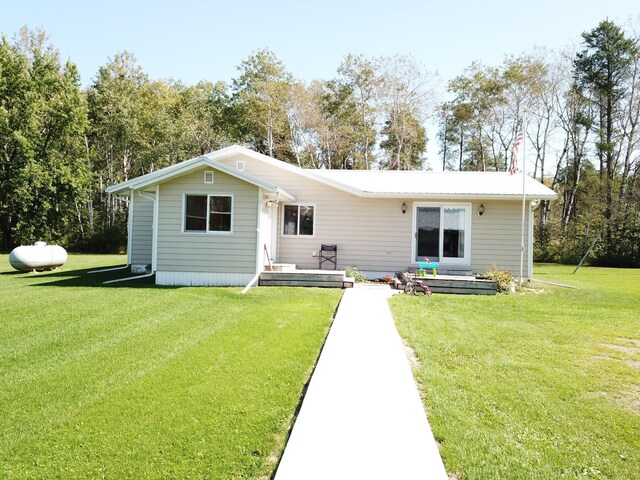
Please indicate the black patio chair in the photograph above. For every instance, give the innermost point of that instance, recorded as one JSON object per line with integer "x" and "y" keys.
{"x": 328, "y": 254}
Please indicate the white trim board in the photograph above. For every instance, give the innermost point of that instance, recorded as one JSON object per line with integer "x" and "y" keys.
{"x": 203, "y": 279}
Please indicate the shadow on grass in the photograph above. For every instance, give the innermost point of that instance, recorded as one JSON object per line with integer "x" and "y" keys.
{"x": 82, "y": 278}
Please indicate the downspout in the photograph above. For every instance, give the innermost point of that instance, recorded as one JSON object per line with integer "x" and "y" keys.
{"x": 129, "y": 242}
{"x": 128, "y": 278}
{"x": 255, "y": 278}
{"x": 130, "y": 227}
{"x": 532, "y": 206}
{"x": 154, "y": 243}
{"x": 154, "y": 240}
{"x": 154, "y": 233}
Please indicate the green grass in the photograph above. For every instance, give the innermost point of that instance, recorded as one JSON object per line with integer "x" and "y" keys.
{"x": 138, "y": 381}
{"x": 538, "y": 385}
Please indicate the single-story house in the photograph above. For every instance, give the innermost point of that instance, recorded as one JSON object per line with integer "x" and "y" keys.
{"x": 214, "y": 219}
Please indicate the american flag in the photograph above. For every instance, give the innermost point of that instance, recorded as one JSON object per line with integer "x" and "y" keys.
{"x": 513, "y": 168}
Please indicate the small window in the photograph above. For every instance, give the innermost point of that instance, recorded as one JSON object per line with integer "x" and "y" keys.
{"x": 298, "y": 220}
{"x": 240, "y": 165}
{"x": 208, "y": 213}
{"x": 208, "y": 176}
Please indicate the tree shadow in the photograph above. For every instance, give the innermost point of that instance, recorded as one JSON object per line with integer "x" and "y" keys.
{"x": 82, "y": 278}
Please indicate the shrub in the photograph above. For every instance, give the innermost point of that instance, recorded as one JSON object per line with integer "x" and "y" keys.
{"x": 357, "y": 275}
{"x": 502, "y": 277}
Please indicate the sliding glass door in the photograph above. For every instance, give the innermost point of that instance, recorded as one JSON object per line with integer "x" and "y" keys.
{"x": 442, "y": 232}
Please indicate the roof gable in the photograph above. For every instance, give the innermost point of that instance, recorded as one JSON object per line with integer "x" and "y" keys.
{"x": 183, "y": 168}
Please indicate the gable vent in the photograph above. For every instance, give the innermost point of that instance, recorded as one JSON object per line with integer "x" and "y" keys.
{"x": 208, "y": 176}
{"x": 240, "y": 165}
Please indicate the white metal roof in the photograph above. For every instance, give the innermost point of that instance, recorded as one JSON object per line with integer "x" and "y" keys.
{"x": 172, "y": 171}
{"x": 363, "y": 183}
{"x": 422, "y": 184}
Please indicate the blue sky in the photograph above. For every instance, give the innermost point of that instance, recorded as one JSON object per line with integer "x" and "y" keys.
{"x": 193, "y": 40}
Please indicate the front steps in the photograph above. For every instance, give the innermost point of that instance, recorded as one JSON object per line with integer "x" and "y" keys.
{"x": 306, "y": 278}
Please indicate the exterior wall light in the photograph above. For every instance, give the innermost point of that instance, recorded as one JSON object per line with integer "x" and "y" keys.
{"x": 404, "y": 208}
{"x": 481, "y": 210}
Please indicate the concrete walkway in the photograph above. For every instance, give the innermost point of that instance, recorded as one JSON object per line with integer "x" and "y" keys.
{"x": 362, "y": 417}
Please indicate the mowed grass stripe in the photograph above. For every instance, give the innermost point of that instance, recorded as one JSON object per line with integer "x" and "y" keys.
{"x": 150, "y": 382}
{"x": 529, "y": 386}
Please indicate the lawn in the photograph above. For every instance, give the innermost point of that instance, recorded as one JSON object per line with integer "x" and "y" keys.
{"x": 538, "y": 385}
{"x": 138, "y": 381}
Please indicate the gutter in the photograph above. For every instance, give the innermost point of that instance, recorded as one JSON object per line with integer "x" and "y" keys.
{"x": 457, "y": 196}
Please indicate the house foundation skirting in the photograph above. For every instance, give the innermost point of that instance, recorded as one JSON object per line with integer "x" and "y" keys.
{"x": 203, "y": 279}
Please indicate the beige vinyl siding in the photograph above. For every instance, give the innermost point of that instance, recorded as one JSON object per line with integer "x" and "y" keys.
{"x": 374, "y": 235}
{"x": 207, "y": 252}
{"x": 142, "y": 231}
{"x": 496, "y": 236}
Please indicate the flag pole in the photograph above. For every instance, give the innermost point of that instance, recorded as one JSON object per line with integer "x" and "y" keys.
{"x": 524, "y": 195}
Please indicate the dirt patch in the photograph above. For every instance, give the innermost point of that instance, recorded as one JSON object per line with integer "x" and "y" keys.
{"x": 633, "y": 363}
{"x": 635, "y": 341}
{"x": 411, "y": 356}
{"x": 622, "y": 348}
{"x": 628, "y": 361}
{"x": 629, "y": 399}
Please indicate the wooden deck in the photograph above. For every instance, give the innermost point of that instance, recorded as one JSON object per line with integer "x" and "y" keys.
{"x": 464, "y": 285}
{"x": 306, "y": 278}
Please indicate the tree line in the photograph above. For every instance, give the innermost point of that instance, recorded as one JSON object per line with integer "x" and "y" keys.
{"x": 581, "y": 111}
{"x": 62, "y": 144}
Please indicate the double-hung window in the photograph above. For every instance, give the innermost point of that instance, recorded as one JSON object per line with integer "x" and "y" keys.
{"x": 299, "y": 220}
{"x": 208, "y": 213}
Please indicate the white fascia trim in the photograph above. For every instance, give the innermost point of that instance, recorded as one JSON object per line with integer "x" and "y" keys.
{"x": 454, "y": 196}
{"x": 281, "y": 194}
{"x": 135, "y": 182}
{"x": 237, "y": 149}
{"x": 185, "y": 167}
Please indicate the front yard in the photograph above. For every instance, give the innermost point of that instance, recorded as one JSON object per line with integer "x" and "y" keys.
{"x": 138, "y": 381}
{"x": 542, "y": 385}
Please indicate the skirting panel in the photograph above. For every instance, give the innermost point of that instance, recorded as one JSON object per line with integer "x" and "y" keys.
{"x": 203, "y": 279}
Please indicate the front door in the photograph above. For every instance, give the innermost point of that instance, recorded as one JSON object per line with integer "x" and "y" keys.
{"x": 442, "y": 233}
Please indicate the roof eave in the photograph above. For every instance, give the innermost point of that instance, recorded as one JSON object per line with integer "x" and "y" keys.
{"x": 183, "y": 169}
{"x": 457, "y": 196}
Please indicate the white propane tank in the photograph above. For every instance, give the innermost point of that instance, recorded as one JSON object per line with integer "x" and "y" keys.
{"x": 38, "y": 256}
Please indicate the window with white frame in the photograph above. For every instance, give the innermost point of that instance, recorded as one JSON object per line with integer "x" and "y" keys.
{"x": 298, "y": 220}
{"x": 208, "y": 213}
